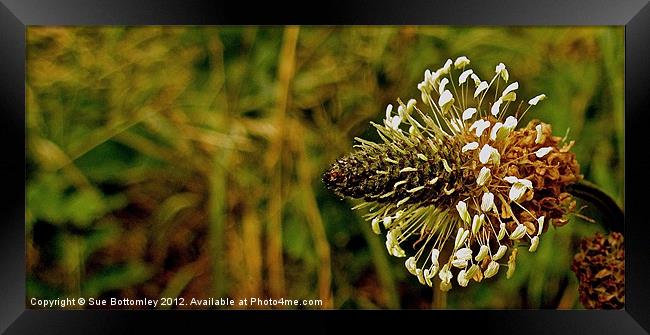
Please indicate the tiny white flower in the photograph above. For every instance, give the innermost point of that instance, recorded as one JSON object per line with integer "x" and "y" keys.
{"x": 487, "y": 201}
{"x": 534, "y": 242}
{"x": 387, "y": 221}
{"x": 540, "y": 222}
{"x": 476, "y": 79}
{"x": 518, "y": 188}
{"x": 469, "y": 146}
{"x": 495, "y": 107}
{"x": 443, "y": 83}
{"x": 461, "y": 61}
{"x": 480, "y": 126}
{"x": 375, "y": 226}
{"x": 468, "y": 113}
{"x": 395, "y": 122}
{"x": 445, "y": 274}
{"x": 410, "y": 264}
{"x": 420, "y": 275}
{"x": 461, "y": 207}
{"x": 477, "y": 222}
{"x": 459, "y": 263}
{"x": 501, "y": 70}
{"x": 445, "y": 69}
{"x": 409, "y": 105}
{"x": 510, "y": 123}
{"x": 445, "y": 99}
{"x": 427, "y": 277}
{"x": 472, "y": 271}
{"x": 500, "y": 253}
{"x": 461, "y": 236}
{"x": 495, "y": 129}
{"x": 462, "y": 278}
{"x": 482, "y": 253}
{"x": 543, "y": 152}
{"x": 434, "y": 256}
{"x": 480, "y": 88}
{"x": 491, "y": 270}
{"x": 389, "y": 110}
{"x": 463, "y": 76}
{"x": 510, "y": 88}
{"x": 397, "y": 251}
{"x": 519, "y": 232}
{"x": 538, "y": 136}
{"x": 502, "y": 231}
{"x": 464, "y": 254}
{"x": 489, "y": 154}
{"x": 536, "y": 99}
{"x": 483, "y": 175}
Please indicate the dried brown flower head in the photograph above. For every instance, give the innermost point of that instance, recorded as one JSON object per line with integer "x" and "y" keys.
{"x": 600, "y": 268}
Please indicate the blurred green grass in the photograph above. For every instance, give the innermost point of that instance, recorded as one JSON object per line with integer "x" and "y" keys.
{"x": 186, "y": 161}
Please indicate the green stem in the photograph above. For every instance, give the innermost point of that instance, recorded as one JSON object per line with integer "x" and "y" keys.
{"x": 614, "y": 216}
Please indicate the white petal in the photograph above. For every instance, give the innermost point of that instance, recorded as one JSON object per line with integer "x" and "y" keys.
{"x": 477, "y": 222}
{"x": 510, "y": 88}
{"x": 410, "y": 264}
{"x": 463, "y": 76}
{"x": 389, "y": 109}
{"x": 482, "y": 253}
{"x": 499, "y": 68}
{"x": 395, "y": 122}
{"x": 459, "y": 263}
{"x": 511, "y": 122}
{"x": 480, "y": 126}
{"x": 538, "y": 137}
{"x": 495, "y": 129}
{"x": 375, "y": 226}
{"x": 445, "y": 69}
{"x": 488, "y": 154}
{"x": 491, "y": 270}
{"x": 543, "y": 152}
{"x": 502, "y": 231}
{"x": 469, "y": 146}
{"x": 500, "y": 253}
{"x": 519, "y": 232}
{"x": 434, "y": 256}
{"x": 468, "y": 113}
{"x": 481, "y": 87}
{"x": 540, "y": 222}
{"x": 443, "y": 83}
{"x": 517, "y": 191}
{"x": 495, "y": 107}
{"x": 483, "y": 175}
{"x": 461, "y": 207}
{"x": 476, "y": 79}
{"x": 527, "y": 183}
{"x": 445, "y": 98}
{"x": 463, "y": 280}
{"x": 534, "y": 242}
{"x": 536, "y": 99}
{"x": 487, "y": 201}
{"x": 464, "y": 254}
{"x": 511, "y": 179}
{"x": 461, "y": 61}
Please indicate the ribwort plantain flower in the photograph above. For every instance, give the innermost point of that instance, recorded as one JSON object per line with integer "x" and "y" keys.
{"x": 459, "y": 186}
{"x": 600, "y": 268}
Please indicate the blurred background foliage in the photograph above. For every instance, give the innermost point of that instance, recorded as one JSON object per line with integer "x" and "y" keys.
{"x": 186, "y": 161}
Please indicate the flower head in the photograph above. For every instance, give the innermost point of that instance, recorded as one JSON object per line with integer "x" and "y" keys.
{"x": 600, "y": 268}
{"x": 457, "y": 186}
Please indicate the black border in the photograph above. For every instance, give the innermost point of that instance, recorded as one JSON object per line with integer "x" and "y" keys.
{"x": 15, "y": 15}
